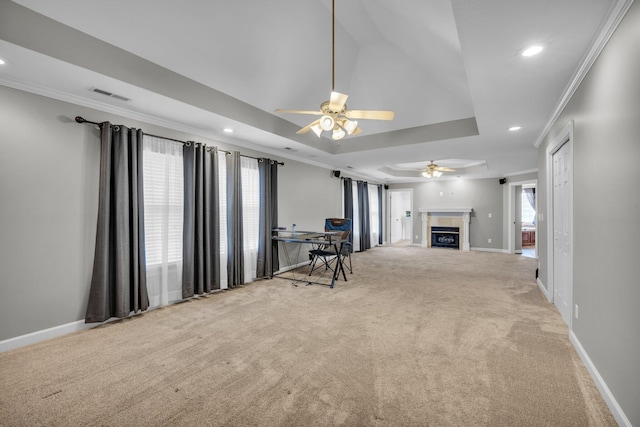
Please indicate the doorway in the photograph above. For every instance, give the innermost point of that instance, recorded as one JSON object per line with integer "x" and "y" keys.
{"x": 400, "y": 216}
{"x": 528, "y": 221}
{"x": 522, "y": 218}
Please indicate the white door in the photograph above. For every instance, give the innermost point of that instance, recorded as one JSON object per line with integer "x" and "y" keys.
{"x": 562, "y": 221}
{"x": 400, "y": 227}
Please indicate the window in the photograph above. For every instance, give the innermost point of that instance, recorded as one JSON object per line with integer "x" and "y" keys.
{"x": 250, "y": 214}
{"x": 250, "y": 217}
{"x": 374, "y": 215}
{"x": 163, "y": 215}
{"x": 528, "y": 212}
{"x": 356, "y": 218}
{"x": 222, "y": 179}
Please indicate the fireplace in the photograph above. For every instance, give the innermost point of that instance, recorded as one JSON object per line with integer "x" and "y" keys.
{"x": 445, "y": 237}
{"x": 446, "y": 217}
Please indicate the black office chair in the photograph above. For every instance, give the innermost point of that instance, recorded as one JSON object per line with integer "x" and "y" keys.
{"x": 327, "y": 253}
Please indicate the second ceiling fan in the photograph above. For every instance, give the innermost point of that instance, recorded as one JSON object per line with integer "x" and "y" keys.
{"x": 334, "y": 114}
{"x": 433, "y": 170}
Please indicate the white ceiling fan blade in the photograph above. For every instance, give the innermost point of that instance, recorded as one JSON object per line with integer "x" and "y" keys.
{"x": 337, "y": 101}
{"x": 315, "y": 113}
{"x": 370, "y": 114}
{"x": 307, "y": 128}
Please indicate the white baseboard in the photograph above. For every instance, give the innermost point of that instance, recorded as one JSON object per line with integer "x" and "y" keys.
{"x": 544, "y": 290}
{"x": 45, "y": 334}
{"x": 608, "y": 397}
{"x": 500, "y": 251}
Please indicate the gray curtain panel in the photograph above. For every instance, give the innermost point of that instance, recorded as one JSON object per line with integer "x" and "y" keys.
{"x": 119, "y": 281}
{"x": 235, "y": 256}
{"x": 379, "y": 214}
{"x": 347, "y": 186}
{"x": 363, "y": 215}
{"x": 268, "y": 261}
{"x": 201, "y": 229}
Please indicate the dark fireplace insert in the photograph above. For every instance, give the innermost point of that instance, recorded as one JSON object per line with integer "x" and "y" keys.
{"x": 445, "y": 237}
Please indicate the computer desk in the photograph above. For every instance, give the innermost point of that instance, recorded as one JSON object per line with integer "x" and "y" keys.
{"x": 315, "y": 239}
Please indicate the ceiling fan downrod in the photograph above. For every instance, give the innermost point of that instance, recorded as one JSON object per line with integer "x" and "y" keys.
{"x": 333, "y": 45}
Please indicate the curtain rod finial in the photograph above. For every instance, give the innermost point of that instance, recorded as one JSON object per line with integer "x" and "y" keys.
{"x": 80, "y": 119}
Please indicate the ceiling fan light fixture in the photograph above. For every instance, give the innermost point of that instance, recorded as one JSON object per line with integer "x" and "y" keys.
{"x": 316, "y": 129}
{"x": 350, "y": 126}
{"x": 338, "y": 133}
{"x": 327, "y": 122}
{"x": 426, "y": 174}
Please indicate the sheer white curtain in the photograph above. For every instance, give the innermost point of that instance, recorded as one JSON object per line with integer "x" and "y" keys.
{"x": 356, "y": 218}
{"x": 222, "y": 179}
{"x": 163, "y": 213}
{"x": 250, "y": 215}
{"x": 374, "y": 220}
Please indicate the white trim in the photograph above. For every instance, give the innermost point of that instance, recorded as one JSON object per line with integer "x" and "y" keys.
{"x": 388, "y": 216}
{"x": 566, "y": 136}
{"x": 45, "y": 334}
{"x": 465, "y": 213}
{"x": 445, "y": 210}
{"x": 546, "y": 293}
{"x": 511, "y": 214}
{"x": 499, "y": 251}
{"x": 154, "y": 120}
{"x": 616, "y": 13}
{"x": 521, "y": 172}
{"x": 608, "y": 397}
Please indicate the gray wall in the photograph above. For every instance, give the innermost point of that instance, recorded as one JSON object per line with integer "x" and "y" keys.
{"x": 48, "y": 206}
{"x": 485, "y": 196}
{"x": 606, "y": 274}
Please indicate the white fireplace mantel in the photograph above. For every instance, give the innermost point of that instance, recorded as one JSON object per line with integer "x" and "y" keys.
{"x": 465, "y": 213}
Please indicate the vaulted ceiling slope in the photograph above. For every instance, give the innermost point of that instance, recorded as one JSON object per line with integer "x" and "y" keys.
{"x": 451, "y": 70}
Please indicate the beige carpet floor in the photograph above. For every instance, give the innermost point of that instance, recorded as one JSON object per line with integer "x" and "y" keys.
{"x": 415, "y": 337}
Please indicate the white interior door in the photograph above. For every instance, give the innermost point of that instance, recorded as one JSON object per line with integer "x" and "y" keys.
{"x": 400, "y": 227}
{"x": 562, "y": 225}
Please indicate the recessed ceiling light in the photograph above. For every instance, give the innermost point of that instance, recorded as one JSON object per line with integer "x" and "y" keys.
{"x": 515, "y": 128}
{"x": 2, "y": 61}
{"x": 228, "y": 130}
{"x": 532, "y": 50}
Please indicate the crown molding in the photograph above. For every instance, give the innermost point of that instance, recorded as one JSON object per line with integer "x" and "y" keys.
{"x": 146, "y": 118}
{"x": 617, "y": 12}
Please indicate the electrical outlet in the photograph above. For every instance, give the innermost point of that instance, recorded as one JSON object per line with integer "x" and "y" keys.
{"x": 489, "y": 240}
{"x": 575, "y": 312}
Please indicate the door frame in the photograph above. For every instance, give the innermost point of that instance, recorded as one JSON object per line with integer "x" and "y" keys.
{"x": 390, "y": 210}
{"x": 565, "y": 137}
{"x": 511, "y": 216}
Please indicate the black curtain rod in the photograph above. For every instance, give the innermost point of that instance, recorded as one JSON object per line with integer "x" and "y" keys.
{"x": 342, "y": 178}
{"x": 80, "y": 119}
{"x": 357, "y": 180}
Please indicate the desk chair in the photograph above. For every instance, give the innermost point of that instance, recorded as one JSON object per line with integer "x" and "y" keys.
{"x": 327, "y": 253}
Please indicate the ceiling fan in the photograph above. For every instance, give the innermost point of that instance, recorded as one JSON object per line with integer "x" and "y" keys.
{"x": 434, "y": 170}
{"x": 334, "y": 113}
